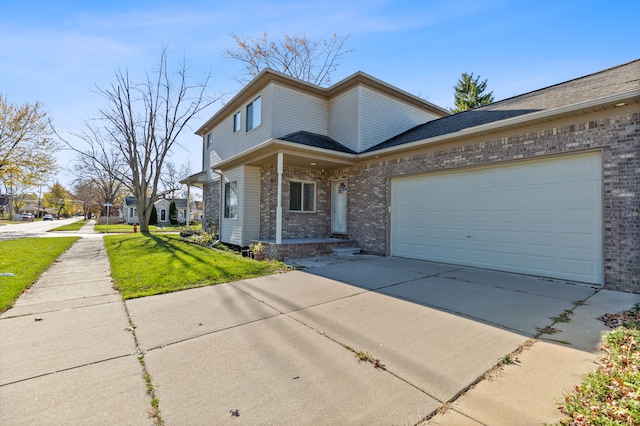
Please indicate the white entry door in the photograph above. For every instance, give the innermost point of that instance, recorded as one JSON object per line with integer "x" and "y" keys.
{"x": 539, "y": 217}
{"x": 339, "y": 205}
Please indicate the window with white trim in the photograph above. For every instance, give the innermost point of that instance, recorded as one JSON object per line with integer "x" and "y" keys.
{"x": 231, "y": 200}
{"x": 302, "y": 196}
{"x": 237, "y": 120}
{"x": 208, "y": 140}
{"x": 254, "y": 113}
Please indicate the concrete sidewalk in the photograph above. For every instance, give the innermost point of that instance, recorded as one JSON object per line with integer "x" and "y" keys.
{"x": 282, "y": 349}
{"x": 66, "y": 355}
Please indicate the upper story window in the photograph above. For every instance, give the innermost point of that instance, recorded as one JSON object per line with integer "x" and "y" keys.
{"x": 208, "y": 140}
{"x": 254, "y": 112}
{"x": 302, "y": 196}
{"x": 237, "y": 120}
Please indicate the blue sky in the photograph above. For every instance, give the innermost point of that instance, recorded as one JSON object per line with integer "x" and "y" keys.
{"x": 57, "y": 52}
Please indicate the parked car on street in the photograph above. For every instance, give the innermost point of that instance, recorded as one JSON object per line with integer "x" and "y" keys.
{"x": 47, "y": 217}
{"x": 27, "y": 217}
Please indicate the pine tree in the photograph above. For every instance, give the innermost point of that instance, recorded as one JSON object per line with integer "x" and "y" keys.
{"x": 153, "y": 220}
{"x": 469, "y": 93}
{"x": 173, "y": 213}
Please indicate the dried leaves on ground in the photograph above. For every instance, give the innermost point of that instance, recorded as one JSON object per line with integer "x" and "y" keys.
{"x": 611, "y": 395}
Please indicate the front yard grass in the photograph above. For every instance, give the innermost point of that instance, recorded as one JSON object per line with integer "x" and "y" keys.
{"x": 75, "y": 226}
{"x": 27, "y": 259}
{"x": 125, "y": 228}
{"x": 148, "y": 264}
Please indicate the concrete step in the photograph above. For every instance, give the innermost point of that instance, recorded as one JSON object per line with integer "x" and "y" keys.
{"x": 345, "y": 251}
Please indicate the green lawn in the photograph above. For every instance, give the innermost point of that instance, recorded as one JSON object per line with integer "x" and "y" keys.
{"x": 144, "y": 265}
{"x": 75, "y": 226}
{"x": 27, "y": 259}
{"x": 124, "y": 228}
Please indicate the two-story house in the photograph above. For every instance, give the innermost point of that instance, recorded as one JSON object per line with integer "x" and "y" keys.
{"x": 542, "y": 183}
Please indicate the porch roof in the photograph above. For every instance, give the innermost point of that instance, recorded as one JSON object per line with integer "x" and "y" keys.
{"x": 196, "y": 179}
{"x": 296, "y": 154}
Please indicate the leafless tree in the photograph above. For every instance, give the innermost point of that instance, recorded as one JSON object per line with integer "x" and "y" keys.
{"x": 298, "y": 56}
{"x": 171, "y": 178}
{"x": 141, "y": 122}
{"x": 101, "y": 169}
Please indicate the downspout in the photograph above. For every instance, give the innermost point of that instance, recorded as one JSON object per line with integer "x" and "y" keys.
{"x": 219, "y": 173}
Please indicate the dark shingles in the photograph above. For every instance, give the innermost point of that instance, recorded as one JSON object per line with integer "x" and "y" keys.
{"x": 620, "y": 79}
{"x": 316, "y": 140}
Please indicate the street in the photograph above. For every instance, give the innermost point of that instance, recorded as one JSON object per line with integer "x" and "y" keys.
{"x": 32, "y": 229}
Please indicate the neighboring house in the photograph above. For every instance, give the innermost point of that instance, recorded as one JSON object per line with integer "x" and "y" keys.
{"x": 130, "y": 211}
{"x": 544, "y": 183}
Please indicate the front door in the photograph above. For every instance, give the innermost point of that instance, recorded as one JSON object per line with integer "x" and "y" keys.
{"x": 339, "y": 206}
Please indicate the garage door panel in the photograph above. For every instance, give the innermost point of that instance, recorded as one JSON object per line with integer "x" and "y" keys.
{"x": 540, "y": 217}
{"x": 541, "y": 239}
{"x": 578, "y": 241}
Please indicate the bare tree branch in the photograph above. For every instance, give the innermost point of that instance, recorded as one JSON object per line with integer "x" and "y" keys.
{"x": 298, "y": 56}
{"x": 141, "y": 123}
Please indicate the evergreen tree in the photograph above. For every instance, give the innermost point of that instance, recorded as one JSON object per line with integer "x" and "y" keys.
{"x": 173, "y": 213}
{"x": 469, "y": 93}
{"x": 153, "y": 220}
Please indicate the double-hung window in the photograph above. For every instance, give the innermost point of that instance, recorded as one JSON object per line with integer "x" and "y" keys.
{"x": 237, "y": 120}
{"x": 302, "y": 196}
{"x": 231, "y": 200}
{"x": 254, "y": 112}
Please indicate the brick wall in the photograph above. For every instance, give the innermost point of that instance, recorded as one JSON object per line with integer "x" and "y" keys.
{"x": 294, "y": 224}
{"x": 617, "y": 136}
{"x": 211, "y": 197}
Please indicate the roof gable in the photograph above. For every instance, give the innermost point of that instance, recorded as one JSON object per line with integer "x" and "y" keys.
{"x": 620, "y": 79}
{"x": 267, "y": 76}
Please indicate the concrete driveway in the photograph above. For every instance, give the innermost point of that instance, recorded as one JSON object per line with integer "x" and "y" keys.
{"x": 282, "y": 349}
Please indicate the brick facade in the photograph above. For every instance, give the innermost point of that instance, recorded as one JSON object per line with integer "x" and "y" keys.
{"x": 294, "y": 224}
{"x": 618, "y": 137}
{"x": 211, "y": 214}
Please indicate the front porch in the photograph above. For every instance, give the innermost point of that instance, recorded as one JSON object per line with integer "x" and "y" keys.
{"x": 298, "y": 248}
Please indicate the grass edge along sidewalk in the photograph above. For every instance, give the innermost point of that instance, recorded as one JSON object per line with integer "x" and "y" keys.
{"x": 149, "y": 264}
{"x": 23, "y": 261}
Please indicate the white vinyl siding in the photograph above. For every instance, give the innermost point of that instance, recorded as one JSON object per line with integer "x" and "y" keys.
{"x": 251, "y": 195}
{"x": 344, "y": 113}
{"x": 294, "y": 110}
{"x": 540, "y": 217}
{"x": 246, "y": 225}
{"x": 363, "y": 117}
{"x": 227, "y": 143}
{"x": 382, "y": 117}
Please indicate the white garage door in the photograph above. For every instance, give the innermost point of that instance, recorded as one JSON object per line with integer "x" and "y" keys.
{"x": 539, "y": 217}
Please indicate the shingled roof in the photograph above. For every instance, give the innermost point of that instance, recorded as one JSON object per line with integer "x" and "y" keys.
{"x": 317, "y": 141}
{"x": 620, "y": 79}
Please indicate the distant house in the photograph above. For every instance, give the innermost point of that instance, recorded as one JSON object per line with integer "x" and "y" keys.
{"x": 544, "y": 183}
{"x": 130, "y": 211}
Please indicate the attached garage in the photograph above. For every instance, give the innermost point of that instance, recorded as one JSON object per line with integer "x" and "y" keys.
{"x": 540, "y": 217}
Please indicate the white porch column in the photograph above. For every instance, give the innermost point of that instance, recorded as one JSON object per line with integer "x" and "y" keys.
{"x": 279, "y": 201}
{"x": 188, "y": 198}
